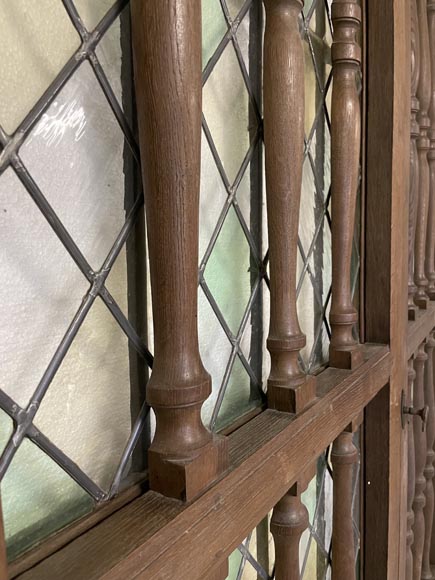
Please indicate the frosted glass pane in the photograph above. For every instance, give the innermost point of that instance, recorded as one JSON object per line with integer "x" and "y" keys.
{"x": 215, "y": 351}
{"x": 37, "y": 40}
{"x": 234, "y": 6}
{"x": 109, "y": 54}
{"x": 214, "y": 28}
{"x": 226, "y": 109}
{"x": 92, "y": 11}
{"x": 227, "y": 271}
{"x": 41, "y": 286}
{"x": 6, "y": 427}
{"x": 86, "y": 411}
{"x": 213, "y": 197}
{"x": 76, "y": 154}
{"x": 239, "y": 397}
{"x": 38, "y": 499}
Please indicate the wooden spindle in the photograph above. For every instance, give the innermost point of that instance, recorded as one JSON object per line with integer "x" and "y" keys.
{"x": 429, "y": 473}
{"x": 430, "y": 237}
{"x": 184, "y": 457}
{"x": 344, "y": 457}
{"x": 423, "y": 146}
{"x": 413, "y": 181}
{"x": 345, "y": 351}
{"x": 289, "y": 521}
{"x": 289, "y": 389}
{"x": 411, "y": 475}
{"x": 420, "y": 461}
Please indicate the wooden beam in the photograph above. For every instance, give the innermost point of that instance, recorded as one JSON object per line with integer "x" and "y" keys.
{"x": 387, "y": 180}
{"x": 157, "y": 537}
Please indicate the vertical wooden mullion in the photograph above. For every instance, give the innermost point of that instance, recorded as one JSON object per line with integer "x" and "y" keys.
{"x": 184, "y": 457}
{"x": 411, "y": 476}
{"x": 289, "y": 389}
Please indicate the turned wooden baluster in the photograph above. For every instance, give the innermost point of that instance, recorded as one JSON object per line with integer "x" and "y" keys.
{"x": 414, "y": 177}
{"x": 411, "y": 475}
{"x": 423, "y": 145}
{"x": 289, "y": 389}
{"x": 344, "y": 457}
{"x": 289, "y": 521}
{"x": 429, "y": 473}
{"x": 184, "y": 457}
{"x": 344, "y": 351}
{"x": 420, "y": 461}
{"x": 430, "y": 237}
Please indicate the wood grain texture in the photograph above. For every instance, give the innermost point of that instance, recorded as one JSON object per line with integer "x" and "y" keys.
{"x": 289, "y": 521}
{"x": 344, "y": 351}
{"x": 184, "y": 457}
{"x": 419, "y": 329}
{"x": 414, "y": 164}
{"x": 387, "y": 178}
{"x": 423, "y": 146}
{"x": 411, "y": 475}
{"x": 420, "y": 461}
{"x": 183, "y": 548}
{"x": 430, "y": 238}
{"x": 429, "y": 473}
{"x": 288, "y": 388}
{"x": 344, "y": 457}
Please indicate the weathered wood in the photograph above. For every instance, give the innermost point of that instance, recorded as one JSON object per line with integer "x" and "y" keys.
{"x": 411, "y": 475}
{"x": 430, "y": 238}
{"x": 344, "y": 457}
{"x": 344, "y": 351}
{"x": 419, "y": 329}
{"x": 288, "y": 388}
{"x": 423, "y": 146}
{"x": 289, "y": 521}
{"x": 184, "y": 457}
{"x": 420, "y": 461}
{"x": 414, "y": 165}
{"x": 123, "y": 547}
{"x": 429, "y": 473}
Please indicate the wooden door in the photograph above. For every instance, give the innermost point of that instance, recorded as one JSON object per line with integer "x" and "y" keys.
{"x": 208, "y": 488}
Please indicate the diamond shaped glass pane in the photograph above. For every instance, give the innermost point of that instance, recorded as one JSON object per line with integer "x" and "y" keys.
{"x": 92, "y": 12}
{"x": 214, "y": 28}
{"x": 76, "y": 155}
{"x": 86, "y": 411}
{"x": 241, "y": 396}
{"x": 38, "y": 498}
{"x": 36, "y": 42}
{"x": 50, "y": 291}
{"x": 215, "y": 351}
{"x": 226, "y": 109}
{"x": 234, "y": 6}
{"x": 227, "y": 272}
{"x": 6, "y": 427}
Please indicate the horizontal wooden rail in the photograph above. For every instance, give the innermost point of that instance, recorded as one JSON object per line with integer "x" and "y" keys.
{"x": 158, "y": 537}
{"x": 420, "y": 328}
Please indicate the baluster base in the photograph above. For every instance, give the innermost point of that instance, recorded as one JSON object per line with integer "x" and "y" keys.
{"x": 291, "y": 398}
{"x": 412, "y": 313}
{"x": 421, "y": 299}
{"x": 346, "y": 358}
{"x": 186, "y": 479}
{"x": 430, "y": 293}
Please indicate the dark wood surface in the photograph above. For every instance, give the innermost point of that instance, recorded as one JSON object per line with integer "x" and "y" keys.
{"x": 411, "y": 475}
{"x": 273, "y": 442}
{"x": 288, "y": 389}
{"x": 184, "y": 457}
{"x": 344, "y": 350}
{"x": 420, "y": 461}
{"x": 344, "y": 458}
